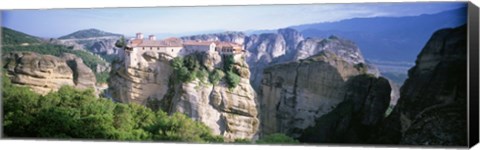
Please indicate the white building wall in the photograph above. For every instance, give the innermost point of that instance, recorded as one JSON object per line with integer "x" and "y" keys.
{"x": 173, "y": 51}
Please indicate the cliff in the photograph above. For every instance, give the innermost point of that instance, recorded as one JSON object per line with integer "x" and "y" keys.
{"x": 365, "y": 101}
{"x": 293, "y": 95}
{"x": 228, "y": 111}
{"x": 432, "y": 109}
{"x": 45, "y": 73}
{"x": 137, "y": 84}
{"x": 285, "y": 45}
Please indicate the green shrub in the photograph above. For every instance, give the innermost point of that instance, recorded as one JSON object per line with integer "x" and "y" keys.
{"x": 202, "y": 74}
{"x": 277, "y": 138}
{"x": 228, "y": 63}
{"x": 243, "y": 141}
{"x": 71, "y": 113}
{"x": 102, "y": 77}
{"x": 215, "y": 76}
{"x": 232, "y": 79}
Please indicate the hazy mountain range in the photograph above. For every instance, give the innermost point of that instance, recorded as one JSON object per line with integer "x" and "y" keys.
{"x": 388, "y": 38}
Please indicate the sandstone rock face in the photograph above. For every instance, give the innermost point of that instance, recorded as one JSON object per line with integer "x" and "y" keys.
{"x": 432, "y": 105}
{"x": 45, "y": 73}
{"x": 137, "y": 84}
{"x": 83, "y": 76}
{"x": 294, "y": 94}
{"x": 365, "y": 101}
{"x": 228, "y": 112}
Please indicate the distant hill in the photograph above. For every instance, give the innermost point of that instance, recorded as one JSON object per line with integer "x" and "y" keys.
{"x": 388, "y": 38}
{"x": 12, "y": 37}
{"x": 13, "y": 42}
{"x": 88, "y": 33}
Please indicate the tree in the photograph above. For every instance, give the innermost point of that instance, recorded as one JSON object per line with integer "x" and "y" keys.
{"x": 215, "y": 76}
{"x": 72, "y": 113}
{"x": 277, "y": 138}
{"x": 229, "y": 61}
{"x": 232, "y": 79}
{"x": 121, "y": 43}
{"x": 179, "y": 127}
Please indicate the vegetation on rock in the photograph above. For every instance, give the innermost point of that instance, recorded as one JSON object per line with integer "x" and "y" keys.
{"x": 277, "y": 138}
{"x": 189, "y": 68}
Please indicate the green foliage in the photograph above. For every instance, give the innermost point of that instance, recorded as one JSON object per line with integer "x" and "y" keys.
{"x": 179, "y": 127}
{"x": 102, "y": 77}
{"x": 12, "y": 37}
{"x": 13, "y": 40}
{"x": 277, "y": 138}
{"x": 228, "y": 63}
{"x": 121, "y": 43}
{"x": 191, "y": 62}
{"x": 242, "y": 141}
{"x": 56, "y": 50}
{"x": 215, "y": 76}
{"x": 202, "y": 74}
{"x": 232, "y": 79}
{"x": 71, "y": 113}
{"x": 389, "y": 110}
{"x": 188, "y": 68}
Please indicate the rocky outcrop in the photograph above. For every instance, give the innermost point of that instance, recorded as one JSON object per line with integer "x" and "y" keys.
{"x": 365, "y": 101}
{"x": 97, "y": 45}
{"x": 138, "y": 84}
{"x": 343, "y": 48}
{"x": 285, "y": 45}
{"x": 83, "y": 76}
{"x": 45, "y": 73}
{"x": 94, "y": 40}
{"x": 103, "y": 46}
{"x": 294, "y": 94}
{"x": 231, "y": 112}
{"x": 432, "y": 109}
{"x": 236, "y": 37}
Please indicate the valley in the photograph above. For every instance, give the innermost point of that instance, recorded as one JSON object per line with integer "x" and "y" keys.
{"x": 311, "y": 83}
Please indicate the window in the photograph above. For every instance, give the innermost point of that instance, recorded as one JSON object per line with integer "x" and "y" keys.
{"x": 143, "y": 48}
{"x": 172, "y": 50}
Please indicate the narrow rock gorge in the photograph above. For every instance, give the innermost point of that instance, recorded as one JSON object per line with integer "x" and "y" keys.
{"x": 432, "y": 109}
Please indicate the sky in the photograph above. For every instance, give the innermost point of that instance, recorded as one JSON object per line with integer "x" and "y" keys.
{"x": 50, "y": 23}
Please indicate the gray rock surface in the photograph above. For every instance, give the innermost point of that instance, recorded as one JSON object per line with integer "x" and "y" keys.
{"x": 294, "y": 94}
{"x": 365, "y": 101}
{"x": 432, "y": 105}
